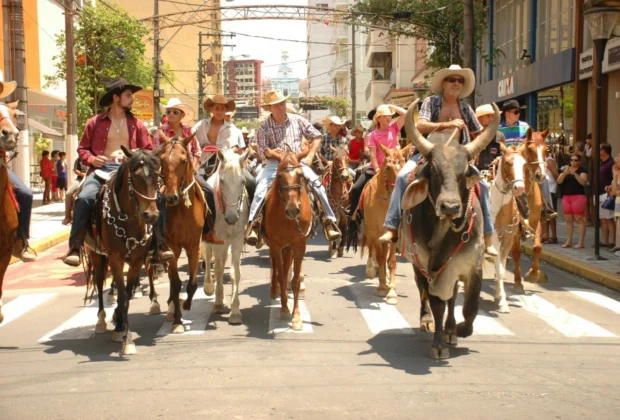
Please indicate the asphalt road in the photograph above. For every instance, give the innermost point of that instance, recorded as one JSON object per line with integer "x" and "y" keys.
{"x": 555, "y": 356}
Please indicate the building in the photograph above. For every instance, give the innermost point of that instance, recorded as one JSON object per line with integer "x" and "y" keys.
{"x": 243, "y": 82}
{"x": 286, "y": 82}
{"x": 320, "y": 58}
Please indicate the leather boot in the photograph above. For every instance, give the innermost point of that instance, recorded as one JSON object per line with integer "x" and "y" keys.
{"x": 211, "y": 238}
{"x": 73, "y": 256}
{"x": 69, "y": 209}
{"x": 22, "y": 251}
{"x": 332, "y": 233}
{"x": 489, "y": 249}
{"x": 252, "y": 235}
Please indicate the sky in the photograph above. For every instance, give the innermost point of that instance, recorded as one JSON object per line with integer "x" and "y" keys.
{"x": 269, "y": 51}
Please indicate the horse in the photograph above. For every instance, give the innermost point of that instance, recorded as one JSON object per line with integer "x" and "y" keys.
{"x": 232, "y": 213}
{"x": 125, "y": 214}
{"x": 337, "y": 182}
{"x": 185, "y": 216}
{"x": 533, "y": 150}
{"x": 9, "y": 135}
{"x": 508, "y": 184}
{"x": 287, "y": 225}
{"x": 375, "y": 202}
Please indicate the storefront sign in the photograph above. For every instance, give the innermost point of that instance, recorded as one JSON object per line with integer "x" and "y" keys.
{"x": 586, "y": 61}
{"x": 612, "y": 56}
{"x": 143, "y": 104}
{"x": 505, "y": 87}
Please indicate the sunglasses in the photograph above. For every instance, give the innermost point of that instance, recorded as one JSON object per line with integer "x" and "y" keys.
{"x": 173, "y": 112}
{"x": 574, "y": 160}
{"x": 515, "y": 112}
{"x": 455, "y": 79}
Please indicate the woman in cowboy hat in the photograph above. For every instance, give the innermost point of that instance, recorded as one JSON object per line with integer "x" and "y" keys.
{"x": 179, "y": 115}
{"x": 332, "y": 137}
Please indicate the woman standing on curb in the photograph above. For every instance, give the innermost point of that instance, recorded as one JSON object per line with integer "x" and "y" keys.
{"x": 551, "y": 171}
{"x": 573, "y": 178}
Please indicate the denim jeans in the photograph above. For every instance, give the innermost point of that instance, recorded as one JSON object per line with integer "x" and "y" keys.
{"x": 23, "y": 195}
{"x": 392, "y": 218}
{"x": 546, "y": 193}
{"x": 486, "y": 208}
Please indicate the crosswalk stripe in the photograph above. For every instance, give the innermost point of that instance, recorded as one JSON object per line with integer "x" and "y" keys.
{"x": 81, "y": 325}
{"x": 194, "y": 321}
{"x": 596, "y": 298}
{"x": 277, "y": 325}
{"x": 379, "y": 316}
{"x": 566, "y": 323}
{"x": 483, "y": 324}
{"x": 23, "y": 304}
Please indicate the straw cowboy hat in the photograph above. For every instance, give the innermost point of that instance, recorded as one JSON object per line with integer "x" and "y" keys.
{"x": 486, "y": 109}
{"x": 116, "y": 87}
{"x": 454, "y": 70}
{"x": 219, "y": 99}
{"x": 175, "y": 103}
{"x": 6, "y": 88}
{"x": 332, "y": 119}
{"x": 244, "y": 130}
{"x": 381, "y": 111}
{"x": 273, "y": 97}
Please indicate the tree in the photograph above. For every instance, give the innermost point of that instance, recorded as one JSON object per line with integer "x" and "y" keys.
{"x": 336, "y": 104}
{"x": 108, "y": 44}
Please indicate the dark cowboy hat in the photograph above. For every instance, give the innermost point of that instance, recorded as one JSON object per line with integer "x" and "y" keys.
{"x": 511, "y": 104}
{"x": 116, "y": 87}
{"x": 371, "y": 114}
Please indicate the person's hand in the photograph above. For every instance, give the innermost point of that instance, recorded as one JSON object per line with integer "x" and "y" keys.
{"x": 567, "y": 170}
{"x": 99, "y": 161}
{"x": 495, "y": 161}
{"x": 608, "y": 188}
{"x": 458, "y": 123}
{"x": 308, "y": 159}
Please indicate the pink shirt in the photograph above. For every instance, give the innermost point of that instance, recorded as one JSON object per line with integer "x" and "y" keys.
{"x": 388, "y": 138}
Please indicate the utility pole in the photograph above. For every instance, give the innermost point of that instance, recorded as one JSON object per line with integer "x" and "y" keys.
{"x": 201, "y": 92}
{"x": 156, "y": 60}
{"x": 468, "y": 39}
{"x": 71, "y": 141}
{"x": 22, "y": 161}
{"x": 353, "y": 77}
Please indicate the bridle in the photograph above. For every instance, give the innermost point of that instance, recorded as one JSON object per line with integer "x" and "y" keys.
{"x": 389, "y": 186}
{"x": 297, "y": 187}
{"x": 181, "y": 187}
{"x": 222, "y": 200}
{"x": 508, "y": 185}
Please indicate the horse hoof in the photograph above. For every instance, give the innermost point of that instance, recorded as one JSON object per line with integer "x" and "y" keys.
{"x": 220, "y": 308}
{"x": 451, "y": 338}
{"x": 178, "y": 329}
{"x": 235, "y": 319}
{"x": 427, "y": 325}
{"x": 128, "y": 349}
{"x": 440, "y": 354}
{"x": 209, "y": 289}
{"x": 382, "y": 292}
{"x": 518, "y": 289}
{"x": 392, "y": 297}
{"x": 370, "y": 273}
{"x": 117, "y": 336}
{"x": 340, "y": 254}
{"x": 503, "y": 308}
{"x": 155, "y": 308}
{"x": 539, "y": 277}
{"x": 464, "y": 329}
{"x": 187, "y": 305}
{"x": 332, "y": 253}
{"x": 297, "y": 324}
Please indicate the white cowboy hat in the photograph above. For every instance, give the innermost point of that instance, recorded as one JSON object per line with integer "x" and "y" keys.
{"x": 175, "y": 103}
{"x": 382, "y": 110}
{"x": 332, "y": 119}
{"x": 231, "y": 113}
{"x": 273, "y": 97}
{"x": 219, "y": 99}
{"x": 454, "y": 70}
{"x": 486, "y": 109}
{"x": 244, "y": 130}
{"x": 6, "y": 88}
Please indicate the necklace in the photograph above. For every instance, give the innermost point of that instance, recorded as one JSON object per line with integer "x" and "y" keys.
{"x": 118, "y": 128}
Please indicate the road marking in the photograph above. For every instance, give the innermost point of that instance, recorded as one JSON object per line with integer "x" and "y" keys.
{"x": 597, "y": 298}
{"x": 277, "y": 325}
{"x": 379, "y": 316}
{"x": 82, "y": 325}
{"x": 194, "y": 321}
{"x": 568, "y": 324}
{"x": 483, "y": 324}
{"x": 23, "y": 304}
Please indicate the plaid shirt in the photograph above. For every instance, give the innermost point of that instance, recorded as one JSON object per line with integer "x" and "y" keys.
{"x": 431, "y": 108}
{"x": 274, "y": 136}
{"x": 194, "y": 148}
{"x": 328, "y": 140}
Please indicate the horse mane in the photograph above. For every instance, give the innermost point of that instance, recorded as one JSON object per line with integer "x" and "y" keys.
{"x": 231, "y": 162}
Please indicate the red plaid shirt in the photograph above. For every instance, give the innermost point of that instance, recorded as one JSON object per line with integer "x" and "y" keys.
{"x": 194, "y": 147}
{"x": 95, "y": 137}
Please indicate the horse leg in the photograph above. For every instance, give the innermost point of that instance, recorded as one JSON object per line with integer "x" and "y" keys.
{"x": 302, "y": 283}
{"x": 298, "y": 254}
{"x": 275, "y": 286}
{"x": 392, "y": 297}
{"x": 343, "y": 228}
{"x": 471, "y": 303}
{"x": 235, "y": 313}
{"x": 155, "y": 309}
{"x": 439, "y": 349}
{"x": 207, "y": 252}
{"x": 426, "y": 316}
{"x": 174, "y": 306}
{"x": 534, "y": 275}
{"x": 516, "y": 259}
{"x": 97, "y": 269}
{"x": 4, "y": 264}
{"x": 193, "y": 255}
{"x": 381, "y": 253}
{"x": 285, "y": 313}
{"x": 128, "y": 347}
{"x": 500, "y": 274}
{"x": 221, "y": 252}
{"x": 450, "y": 336}
{"x": 112, "y": 293}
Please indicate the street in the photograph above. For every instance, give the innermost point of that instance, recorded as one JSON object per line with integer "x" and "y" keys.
{"x": 556, "y": 355}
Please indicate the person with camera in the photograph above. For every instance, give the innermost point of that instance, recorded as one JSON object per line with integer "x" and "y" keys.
{"x": 573, "y": 179}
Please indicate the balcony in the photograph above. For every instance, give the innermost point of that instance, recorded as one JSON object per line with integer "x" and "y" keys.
{"x": 378, "y": 48}
{"x": 375, "y": 92}
{"x": 340, "y": 35}
{"x": 340, "y": 68}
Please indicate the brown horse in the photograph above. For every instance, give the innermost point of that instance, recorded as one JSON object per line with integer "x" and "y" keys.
{"x": 185, "y": 216}
{"x": 375, "y": 201}
{"x": 337, "y": 184}
{"x": 287, "y": 224}
{"x": 8, "y": 213}
{"x": 533, "y": 150}
{"x": 125, "y": 215}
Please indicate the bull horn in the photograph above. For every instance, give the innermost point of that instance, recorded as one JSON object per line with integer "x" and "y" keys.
{"x": 479, "y": 144}
{"x": 419, "y": 142}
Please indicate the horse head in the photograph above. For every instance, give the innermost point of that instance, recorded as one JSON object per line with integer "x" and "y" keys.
{"x": 510, "y": 171}
{"x": 533, "y": 150}
{"x": 392, "y": 164}
{"x": 232, "y": 184}
{"x": 137, "y": 180}
{"x": 9, "y": 133}
{"x": 289, "y": 177}
{"x": 448, "y": 175}
{"x": 340, "y": 164}
{"x": 176, "y": 166}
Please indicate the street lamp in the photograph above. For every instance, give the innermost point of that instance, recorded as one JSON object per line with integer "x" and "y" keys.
{"x": 601, "y": 16}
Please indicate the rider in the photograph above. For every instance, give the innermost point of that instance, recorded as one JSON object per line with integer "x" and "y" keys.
{"x": 100, "y": 148}
{"x": 356, "y": 146}
{"x": 216, "y": 131}
{"x": 332, "y": 137}
{"x": 23, "y": 195}
{"x": 442, "y": 112}
{"x": 278, "y": 130}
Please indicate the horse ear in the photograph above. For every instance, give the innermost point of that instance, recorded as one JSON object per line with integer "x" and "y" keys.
{"x": 272, "y": 154}
{"x": 528, "y": 134}
{"x": 243, "y": 157}
{"x": 13, "y": 105}
{"x": 415, "y": 194}
{"x": 188, "y": 139}
{"x": 127, "y": 152}
{"x": 545, "y": 133}
{"x": 503, "y": 147}
{"x": 384, "y": 149}
{"x": 405, "y": 151}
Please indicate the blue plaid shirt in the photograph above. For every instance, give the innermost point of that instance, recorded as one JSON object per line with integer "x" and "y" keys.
{"x": 431, "y": 108}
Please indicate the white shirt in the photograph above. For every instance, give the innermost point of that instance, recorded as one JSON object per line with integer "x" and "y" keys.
{"x": 228, "y": 137}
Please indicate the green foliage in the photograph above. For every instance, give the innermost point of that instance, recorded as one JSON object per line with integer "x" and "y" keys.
{"x": 41, "y": 144}
{"x": 338, "y": 105}
{"x": 249, "y": 124}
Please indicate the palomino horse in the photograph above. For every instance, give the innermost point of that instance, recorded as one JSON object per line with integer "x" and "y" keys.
{"x": 337, "y": 181}
{"x": 533, "y": 150}
{"x": 508, "y": 184}
{"x": 287, "y": 225}
{"x": 375, "y": 202}
{"x": 185, "y": 216}
{"x": 232, "y": 212}
{"x": 126, "y": 213}
{"x": 8, "y": 212}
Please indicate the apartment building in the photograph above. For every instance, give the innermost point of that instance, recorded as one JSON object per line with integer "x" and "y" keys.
{"x": 320, "y": 58}
{"x": 243, "y": 82}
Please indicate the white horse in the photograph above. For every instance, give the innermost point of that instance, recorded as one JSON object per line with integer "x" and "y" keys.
{"x": 509, "y": 183}
{"x": 230, "y": 220}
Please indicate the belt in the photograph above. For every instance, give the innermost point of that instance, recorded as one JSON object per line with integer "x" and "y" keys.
{"x": 119, "y": 159}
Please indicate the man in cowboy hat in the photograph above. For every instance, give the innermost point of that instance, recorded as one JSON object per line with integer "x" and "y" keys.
{"x": 332, "y": 137}
{"x": 216, "y": 131}
{"x": 444, "y": 111}
{"x": 245, "y": 133}
{"x": 100, "y": 148}
{"x": 23, "y": 195}
{"x": 282, "y": 129}
{"x": 179, "y": 115}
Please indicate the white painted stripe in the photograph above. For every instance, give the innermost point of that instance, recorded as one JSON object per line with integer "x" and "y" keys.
{"x": 23, "y": 304}
{"x": 194, "y": 321}
{"x": 568, "y": 324}
{"x": 277, "y": 325}
{"x": 596, "y": 298}
{"x": 483, "y": 324}
{"x": 82, "y": 325}
{"x": 379, "y": 316}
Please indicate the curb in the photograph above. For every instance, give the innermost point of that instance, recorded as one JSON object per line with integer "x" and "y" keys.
{"x": 582, "y": 269}
{"x": 46, "y": 243}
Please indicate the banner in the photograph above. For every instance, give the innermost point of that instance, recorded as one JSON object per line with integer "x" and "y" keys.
{"x": 143, "y": 105}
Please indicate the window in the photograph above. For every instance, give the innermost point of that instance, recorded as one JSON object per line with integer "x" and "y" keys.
{"x": 555, "y": 26}
{"x": 511, "y": 39}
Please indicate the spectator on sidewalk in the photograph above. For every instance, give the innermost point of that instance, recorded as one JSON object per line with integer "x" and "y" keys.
{"x": 587, "y": 165}
{"x": 55, "y": 159}
{"x": 63, "y": 173}
{"x": 573, "y": 178}
{"x": 605, "y": 178}
{"x": 551, "y": 172}
{"x": 47, "y": 171}
{"x": 615, "y": 191}
{"x": 580, "y": 149}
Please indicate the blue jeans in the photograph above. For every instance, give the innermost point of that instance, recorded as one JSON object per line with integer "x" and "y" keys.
{"x": 24, "y": 199}
{"x": 392, "y": 218}
{"x": 546, "y": 194}
{"x": 485, "y": 206}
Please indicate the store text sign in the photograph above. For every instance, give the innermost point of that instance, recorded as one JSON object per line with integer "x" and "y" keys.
{"x": 586, "y": 61}
{"x": 506, "y": 87}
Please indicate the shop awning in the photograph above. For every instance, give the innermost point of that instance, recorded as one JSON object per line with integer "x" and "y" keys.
{"x": 41, "y": 98}
{"x": 47, "y": 132}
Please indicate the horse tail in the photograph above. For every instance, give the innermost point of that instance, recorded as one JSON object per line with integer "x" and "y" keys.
{"x": 351, "y": 237}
